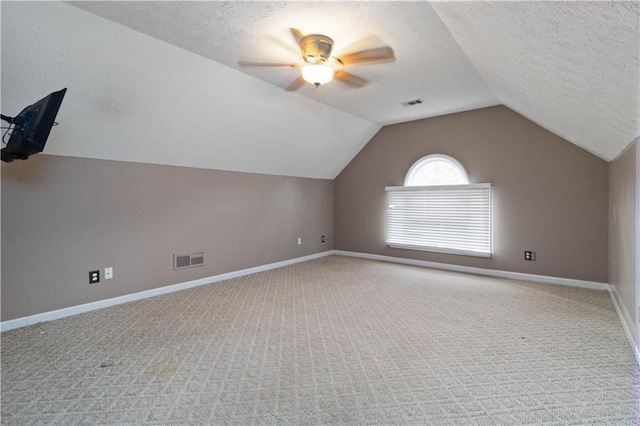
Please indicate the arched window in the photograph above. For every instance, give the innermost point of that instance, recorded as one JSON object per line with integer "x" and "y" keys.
{"x": 436, "y": 169}
{"x": 438, "y": 210}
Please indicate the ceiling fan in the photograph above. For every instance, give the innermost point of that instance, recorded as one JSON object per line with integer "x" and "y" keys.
{"x": 320, "y": 67}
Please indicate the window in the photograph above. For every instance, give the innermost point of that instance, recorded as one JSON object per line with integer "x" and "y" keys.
{"x": 437, "y": 209}
{"x": 436, "y": 169}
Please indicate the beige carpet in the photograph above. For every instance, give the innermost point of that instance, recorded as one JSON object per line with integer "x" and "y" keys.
{"x": 332, "y": 341}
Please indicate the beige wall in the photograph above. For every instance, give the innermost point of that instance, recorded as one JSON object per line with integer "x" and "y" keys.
{"x": 62, "y": 217}
{"x": 549, "y": 195}
{"x": 623, "y": 256}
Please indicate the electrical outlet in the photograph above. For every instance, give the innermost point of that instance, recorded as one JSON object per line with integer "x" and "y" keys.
{"x": 299, "y": 241}
{"x": 94, "y": 277}
{"x": 322, "y": 239}
{"x": 108, "y": 273}
{"x": 529, "y": 255}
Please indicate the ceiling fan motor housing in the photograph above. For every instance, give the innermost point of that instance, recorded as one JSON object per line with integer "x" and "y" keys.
{"x": 316, "y": 48}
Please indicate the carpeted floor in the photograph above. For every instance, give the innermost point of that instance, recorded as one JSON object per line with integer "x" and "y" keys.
{"x": 331, "y": 341}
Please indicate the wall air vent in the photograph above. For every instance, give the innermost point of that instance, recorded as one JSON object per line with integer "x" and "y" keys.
{"x": 413, "y": 102}
{"x": 181, "y": 261}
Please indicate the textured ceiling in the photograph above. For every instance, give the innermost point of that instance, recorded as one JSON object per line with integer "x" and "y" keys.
{"x": 429, "y": 63}
{"x": 571, "y": 67}
{"x": 134, "y": 98}
{"x": 158, "y": 82}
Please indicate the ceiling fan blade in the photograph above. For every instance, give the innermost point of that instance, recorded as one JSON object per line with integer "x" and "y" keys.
{"x": 349, "y": 79}
{"x": 267, "y": 64}
{"x": 295, "y": 84}
{"x": 297, "y": 35}
{"x": 295, "y": 51}
{"x": 370, "y": 56}
{"x": 364, "y": 43}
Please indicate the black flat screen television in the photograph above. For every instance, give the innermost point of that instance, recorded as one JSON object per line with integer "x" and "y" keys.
{"x": 32, "y": 127}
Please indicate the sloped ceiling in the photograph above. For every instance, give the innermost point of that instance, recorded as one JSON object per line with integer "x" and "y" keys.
{"x": 429, "y": 65}
{"x": 134, "y": 98}
{"x": 158, "y": 82}
{"x": 571, "y": 67}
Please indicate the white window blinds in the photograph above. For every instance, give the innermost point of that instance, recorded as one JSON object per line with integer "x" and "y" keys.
{"x": 449, "y": 218}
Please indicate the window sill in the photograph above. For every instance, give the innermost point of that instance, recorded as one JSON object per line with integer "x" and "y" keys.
{"x": 441, "y": 250}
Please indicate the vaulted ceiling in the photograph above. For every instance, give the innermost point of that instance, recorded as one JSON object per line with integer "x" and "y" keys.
{"x": 158, "y": 82}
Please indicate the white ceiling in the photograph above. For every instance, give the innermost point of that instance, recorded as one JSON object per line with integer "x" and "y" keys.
{"x": 158, "y": 82}
{"x": 134, "y": 98}
{"x": 571, "y": 67}
{"x": 429, "y": 64}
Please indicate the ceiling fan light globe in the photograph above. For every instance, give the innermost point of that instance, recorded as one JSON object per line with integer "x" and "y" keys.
{"x": 317, "y": 73}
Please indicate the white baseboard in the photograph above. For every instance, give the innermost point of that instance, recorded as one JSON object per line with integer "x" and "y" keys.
{"x": 73, "y": 310}
{"x": 479, "y": 271}
{"x": 625, "y": 319}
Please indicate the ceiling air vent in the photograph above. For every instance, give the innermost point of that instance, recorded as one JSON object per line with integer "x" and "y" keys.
{"x": 413, "y": 102}
{"x": 181, "y": 261}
